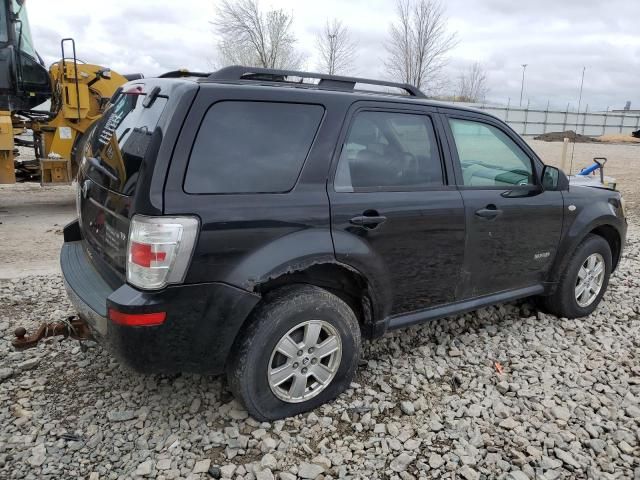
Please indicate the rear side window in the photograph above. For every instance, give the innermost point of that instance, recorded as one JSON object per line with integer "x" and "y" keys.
{"x": 251, "y": 147}
{"x": 389, "y": 151}
{"x": 119, "y": 141}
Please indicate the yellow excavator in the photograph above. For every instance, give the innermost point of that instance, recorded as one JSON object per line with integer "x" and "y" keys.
{"x": 78, "y": 93}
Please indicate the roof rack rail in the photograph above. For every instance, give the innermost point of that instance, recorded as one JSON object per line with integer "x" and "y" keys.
{"x": 183, "y": 72}
{"x": 328, "y": 82}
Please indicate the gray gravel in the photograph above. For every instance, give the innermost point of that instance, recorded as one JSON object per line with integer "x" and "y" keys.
{"x": 428, "y": 403}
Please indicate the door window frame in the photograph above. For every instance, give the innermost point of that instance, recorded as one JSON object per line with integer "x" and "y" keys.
{"x": 402, "y": 108}
{"x": 536, "y": 164}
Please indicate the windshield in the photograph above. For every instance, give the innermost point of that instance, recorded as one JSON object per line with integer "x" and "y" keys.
{"x": 22, "y": 29}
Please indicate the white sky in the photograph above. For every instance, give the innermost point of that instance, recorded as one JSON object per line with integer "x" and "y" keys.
{"x": 556, "y": 38}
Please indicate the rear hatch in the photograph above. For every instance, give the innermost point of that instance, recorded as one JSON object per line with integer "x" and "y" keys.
{"x": 119, "y": 149}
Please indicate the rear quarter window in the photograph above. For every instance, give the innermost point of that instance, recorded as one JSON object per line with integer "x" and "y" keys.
{"x": 251, "y": 147}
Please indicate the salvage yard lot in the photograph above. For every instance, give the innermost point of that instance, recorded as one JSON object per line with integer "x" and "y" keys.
{"x": 428, "y": 402}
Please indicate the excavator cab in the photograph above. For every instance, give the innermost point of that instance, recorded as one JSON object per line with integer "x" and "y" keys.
{"x": 24, "y": 80}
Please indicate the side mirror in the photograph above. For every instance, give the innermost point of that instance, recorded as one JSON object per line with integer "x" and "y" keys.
{"x": 554, "y": 179}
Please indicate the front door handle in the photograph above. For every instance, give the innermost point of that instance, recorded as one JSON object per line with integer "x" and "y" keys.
{"x": 368, "y": 221}
{"x": 490, "y": 211}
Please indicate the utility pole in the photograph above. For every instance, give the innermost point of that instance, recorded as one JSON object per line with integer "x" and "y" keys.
{"x": 573, "y": 147}
{"x": 524, "y": 67}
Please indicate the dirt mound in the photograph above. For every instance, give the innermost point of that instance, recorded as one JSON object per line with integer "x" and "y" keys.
{"x": 560, "y": 136}
{"x": 618, "y": 138}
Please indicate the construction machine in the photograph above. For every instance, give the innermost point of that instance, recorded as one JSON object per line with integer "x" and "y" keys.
{"x": 78, "y": 93}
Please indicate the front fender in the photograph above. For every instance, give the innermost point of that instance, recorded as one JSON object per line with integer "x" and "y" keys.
{"x": 589, "y": 215}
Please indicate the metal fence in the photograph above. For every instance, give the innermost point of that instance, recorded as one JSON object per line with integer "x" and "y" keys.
{"x": 530, "y": 121}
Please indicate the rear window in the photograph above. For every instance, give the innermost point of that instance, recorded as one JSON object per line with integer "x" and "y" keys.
{"x": 120, "y": 140}
{"x": 251, "y": 147}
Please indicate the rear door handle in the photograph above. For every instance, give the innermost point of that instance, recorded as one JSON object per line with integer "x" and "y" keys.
{"x": 490, "y": 212}
{"x": 368, "y": 221}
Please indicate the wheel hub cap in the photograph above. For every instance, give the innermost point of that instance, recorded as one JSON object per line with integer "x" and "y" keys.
{"x": 590, "y": 280}
{"x": 304, "y": 361}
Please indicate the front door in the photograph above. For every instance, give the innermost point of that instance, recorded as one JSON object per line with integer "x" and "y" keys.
{"x": 513, "y": 226}
{"x": 392, "y": 209}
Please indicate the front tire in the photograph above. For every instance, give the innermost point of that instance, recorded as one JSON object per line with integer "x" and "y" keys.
{"x": 584, "y": 280}
{"x": 300, "y": 349}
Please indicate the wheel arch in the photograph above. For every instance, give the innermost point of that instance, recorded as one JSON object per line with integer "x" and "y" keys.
{"x": 344, "y": 281}
{"x": 600, "y": 227}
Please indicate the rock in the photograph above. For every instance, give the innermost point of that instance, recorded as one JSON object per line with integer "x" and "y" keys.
{"x": 238, "y": 414}
{"x": 38, "y": 455}
{"x": 503, "y": 387}
{"x": 202, "y": 466}
{"x": 121, "y": 415}
{"x": 517, "y": 475}
{"x": 28, "y": 364}
{"x": 401, "y": 462}
{"x": 5, "y": 373}
{"x": 633, "y": 411}
{"x": 309, "y": 470}
{"x": 508, "y": 423}
{"x": 468, "y": 473}
{"x": 215, "y": 472}
{"x": 286, "y": 476}
{"x": 561, "y": 413}
{"x": 412, "y": 444}
{"x": 265, "y": 474}
{"x": 195, "y": 406}
{"x": 625, "y": 448}
{"x": 144, "y": 468}
{"x": 227, "y": 471}
{"x": 435, "y": 461}
{"x": 407, "y": 408}
{"x": 597, "y": 445}
{"x": 323, "y": 461}
{"x": 474, "y": 410}
{"x": 164, "y": 464}
{"x": 566, "y": 457}
{"x": 549, "y": 463}
{"x": 269, "y": 461}
{"x": 436, "y": 426}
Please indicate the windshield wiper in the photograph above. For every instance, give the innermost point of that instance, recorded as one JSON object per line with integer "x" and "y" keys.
{"x": 95, "y": 163}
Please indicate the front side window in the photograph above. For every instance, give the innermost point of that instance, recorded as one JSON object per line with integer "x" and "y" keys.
{"x": 251, "y": 147}
{"x": 488, "y": 157}
{"x": 389, "y": 151}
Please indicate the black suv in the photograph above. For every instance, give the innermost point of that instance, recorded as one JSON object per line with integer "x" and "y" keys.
{"x": 262, "y": 222}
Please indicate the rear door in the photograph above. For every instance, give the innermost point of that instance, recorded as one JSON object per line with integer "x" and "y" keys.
{"x": 513, "y": 226}
{"x": 392, "y": 205}
{"x": 113, "y": 159}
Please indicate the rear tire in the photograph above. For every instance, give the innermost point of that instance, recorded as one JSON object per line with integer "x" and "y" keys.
{"x": 300, "y": 349}
{"x": 584, "y": 280}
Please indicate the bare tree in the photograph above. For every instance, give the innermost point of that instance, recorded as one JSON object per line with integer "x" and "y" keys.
{"x": 253, "y": 37}
{"x": 472, "y": 86}
{"x": 336, "y": 47}
{"x": 418, "y": 44}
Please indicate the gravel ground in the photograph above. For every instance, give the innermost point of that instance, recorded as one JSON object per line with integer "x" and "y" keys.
{"x": 428, "y": 402}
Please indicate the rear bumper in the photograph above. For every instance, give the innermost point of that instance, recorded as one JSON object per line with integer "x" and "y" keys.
{"x": 198, "y": 333}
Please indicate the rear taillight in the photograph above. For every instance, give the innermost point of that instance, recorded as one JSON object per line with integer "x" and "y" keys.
{"x": 159, "y": 250}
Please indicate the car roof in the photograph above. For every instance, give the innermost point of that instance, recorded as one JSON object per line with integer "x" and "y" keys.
{"x": 263, "y": 79}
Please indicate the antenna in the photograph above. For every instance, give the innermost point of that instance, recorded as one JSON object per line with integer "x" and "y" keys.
{"x": 575, "y": 133}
